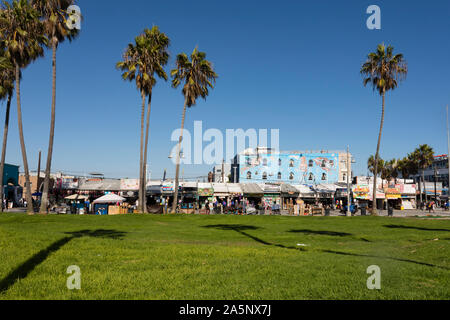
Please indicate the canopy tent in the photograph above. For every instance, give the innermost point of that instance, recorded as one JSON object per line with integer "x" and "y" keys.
{"x": 109, "y": 198}
{"x": 77, "y": 197}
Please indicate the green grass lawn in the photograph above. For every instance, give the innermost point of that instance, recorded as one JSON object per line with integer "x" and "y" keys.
{"x": 223, "y": 257}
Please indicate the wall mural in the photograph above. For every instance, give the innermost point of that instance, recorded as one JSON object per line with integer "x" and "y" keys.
{"x": 307, "y": 169}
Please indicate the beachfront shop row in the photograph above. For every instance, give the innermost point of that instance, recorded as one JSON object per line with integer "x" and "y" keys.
{"x": 400, "y": 196}
{"x": 195, "y": 196}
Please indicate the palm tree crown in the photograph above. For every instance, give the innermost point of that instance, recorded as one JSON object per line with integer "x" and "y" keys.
{"x": 7, "y": 75}
{"x": 383, "y": 69}
{"x": 197, "y": 74}
{"x": 423, "y": 156}
{"x": 21, "y": 32}
{"x": 54, "y": 15}
{"x": 145, "y": 58}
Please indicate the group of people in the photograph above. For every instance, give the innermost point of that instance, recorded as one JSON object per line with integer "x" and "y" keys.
{"x": 223, "y": 207}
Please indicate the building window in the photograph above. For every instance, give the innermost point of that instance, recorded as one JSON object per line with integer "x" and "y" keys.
{"x": 324, "y": 164}
{"x": 311, "y": 163}
{"x": 324, "y": 177}
{"x": 332, "y": 163}
{"x": 291, "y": 163}
{"x": 291, "y": 176}
{"x": 265, "y": 162}
{"x": 249, "y": 175}
{"x": 279, "y": 175}
{"x": 311, "y": 177}
{"x": 280, "y": 162}
{"x": 344, "y": 177}
{"x": 264, "y": 176}
{"x": 256, "y": 173}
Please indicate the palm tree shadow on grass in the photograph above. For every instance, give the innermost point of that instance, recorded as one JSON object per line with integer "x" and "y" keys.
{"x": 22, "y": 271}
{"x": 328, "y": 233}
{"x": 242, "y": 228}
{"x": 239, "y": 228}
{"x": 415, "y": 228}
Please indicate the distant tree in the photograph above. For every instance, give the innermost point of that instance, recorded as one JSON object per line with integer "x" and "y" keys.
{"x": 371, "y": 165}
{"x": 406, "y": 167}
{"x": 423, "y": 158}
{"x": 382, "y": 70}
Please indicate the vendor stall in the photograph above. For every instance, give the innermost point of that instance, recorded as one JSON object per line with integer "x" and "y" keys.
{"x": 253, "y": 195}
{"x": 108, "y": 204}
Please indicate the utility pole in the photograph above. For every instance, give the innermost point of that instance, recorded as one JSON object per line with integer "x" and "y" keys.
{"x": 435, "y": 182}
{"x": 448, "y": 153}
{"x": 39, "y": 173}
{"x": 349, "y": 212}
{"x": 223, "y": 171}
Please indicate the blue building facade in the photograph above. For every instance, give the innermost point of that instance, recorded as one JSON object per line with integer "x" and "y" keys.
{"x": 293, "y": 168}
{"x": 11, "y": 175}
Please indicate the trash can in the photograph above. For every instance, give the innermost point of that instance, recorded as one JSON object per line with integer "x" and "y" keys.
{"x": 363, "y": 211}
{"x": 390, "y": 211}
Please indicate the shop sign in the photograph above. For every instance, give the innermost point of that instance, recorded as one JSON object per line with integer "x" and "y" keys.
{"x": 208, "y": 192}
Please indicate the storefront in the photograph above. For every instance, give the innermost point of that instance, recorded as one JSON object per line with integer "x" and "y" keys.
{"x": 188, "y": 197}
{"x": 289, "y": 196}
{"x": 253, "y": 195}
{"x": 272, "y": 197}
{"x": 393, "y": 198}
{"x": 205, "y": 193}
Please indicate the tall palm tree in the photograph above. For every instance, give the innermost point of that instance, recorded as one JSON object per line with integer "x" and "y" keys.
{"x": 22, "y": 34}
{"x": 383, "y": 70}
{"x": 158, "y": 57}
{"x": 141, "y": 62}
{"x": 197, "y": 76}
{"x": 7, "y": 77}
{"x": 423, "y": 158}
{"x": 54, "y": 17}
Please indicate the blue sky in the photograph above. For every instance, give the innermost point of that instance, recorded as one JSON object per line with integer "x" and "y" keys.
{"x": 292, "y": 65}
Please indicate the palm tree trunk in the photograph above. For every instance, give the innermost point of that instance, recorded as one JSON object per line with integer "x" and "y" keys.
{"x": 29, "y": 199}
{"x": 374, "y": 199}
{"x": 424, "y": 187}
{"x": 177, "y": 172}
{"x": 141, "y": 161}
{"x": 5, "y": 140}
{"x": 149, "y": 109}
{"x": 44, "y": 199}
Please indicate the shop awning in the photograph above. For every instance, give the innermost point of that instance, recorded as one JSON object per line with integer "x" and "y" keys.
{"x": 252, "y": 189}
{"x": 190, "y": 185}
{"x": 270, "y": 188}
{"x": 289, "y": 190}
{"x": 305, "y": 191}
{"x": 234, "y": 188}
{"x": 77, "y": 197}
{"x": 220, "y": 189}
